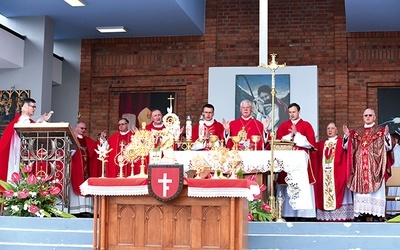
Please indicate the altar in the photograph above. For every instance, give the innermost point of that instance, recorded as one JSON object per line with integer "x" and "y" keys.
{"x": 294, "y": 162}
{"x": 207, "y": 214}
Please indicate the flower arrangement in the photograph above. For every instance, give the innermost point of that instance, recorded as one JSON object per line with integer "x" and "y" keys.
{"x": 27, "y": 195}
{"x": 258, "y": 209}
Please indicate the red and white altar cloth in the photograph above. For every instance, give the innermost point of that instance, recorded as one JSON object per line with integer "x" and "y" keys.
{"x": 203, "y": 188}
{"x": 115, "y": 186}
{"x": 294, "y": 162}
{"x": 210, "y": 188}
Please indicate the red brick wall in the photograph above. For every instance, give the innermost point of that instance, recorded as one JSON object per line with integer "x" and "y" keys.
{"x": 351, "y": 66}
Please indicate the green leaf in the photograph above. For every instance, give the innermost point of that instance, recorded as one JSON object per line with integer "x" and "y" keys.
{"x": 7, "y": 186}
{"x": 240, "y": 173}
{"x": 59, "y": 213}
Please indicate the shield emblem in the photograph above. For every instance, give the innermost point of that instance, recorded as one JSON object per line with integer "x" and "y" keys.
{"x": 165, "y": 181}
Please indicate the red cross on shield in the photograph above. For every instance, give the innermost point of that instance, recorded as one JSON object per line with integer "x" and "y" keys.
{"x": 165, "y": 181}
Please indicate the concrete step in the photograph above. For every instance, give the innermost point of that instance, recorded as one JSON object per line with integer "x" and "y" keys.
{"x": 323, "y": 235}
{"x": 45, "y": 233}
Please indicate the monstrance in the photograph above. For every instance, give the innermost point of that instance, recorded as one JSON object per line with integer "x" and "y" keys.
{"x": 140, "y": 146}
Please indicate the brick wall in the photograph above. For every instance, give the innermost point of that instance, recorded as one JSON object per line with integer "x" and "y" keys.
{"x": 351, "y": 66}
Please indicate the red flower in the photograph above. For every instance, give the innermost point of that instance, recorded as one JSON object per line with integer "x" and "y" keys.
{"x": 15, "y": 177}
{"x": 33, "y": 209}
{"x": 23, "y": 194}
{"x": 31, "y": 179}
{"x": 27, "y": 169}
{"x": 8, "y": 193}
{"x": 257, "y": 196}
{"x": 266, "y": 207}
{"x": 54, "y": 190}
{"x": 43, "y": 193}
{"x": 47, "y": 178}
{"x": 250, "y": 216}
{"x": 251, "y": 177}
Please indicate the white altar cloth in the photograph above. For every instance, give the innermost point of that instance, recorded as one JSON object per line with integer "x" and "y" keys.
{"x": 293, "y": 162}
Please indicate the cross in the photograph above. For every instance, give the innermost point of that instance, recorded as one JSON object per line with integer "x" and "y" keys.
{"x": 273, "y": 66}
{"x": 170, "y": 98}
{"x": 165, "y": 181}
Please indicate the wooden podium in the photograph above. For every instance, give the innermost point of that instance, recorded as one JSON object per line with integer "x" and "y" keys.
{"x": 143, "y": 222}
{"x": 48, "y": 146}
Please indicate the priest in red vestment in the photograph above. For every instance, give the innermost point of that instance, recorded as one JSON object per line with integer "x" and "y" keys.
{"x": 117, "y": 141}
{"x": 302, "y": 134}
{"x": 155, "y": 127}
{"x": 333, "y": 199}
{"x": 370, "y": 158}
{"x": 84, "y": 164}
{"x": 10, "y": 142}
{"x": 210, "y": 127}
{"x": 246, "y": 127}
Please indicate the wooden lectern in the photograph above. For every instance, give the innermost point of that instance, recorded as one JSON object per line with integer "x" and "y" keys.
{"x": 48, "y": 146}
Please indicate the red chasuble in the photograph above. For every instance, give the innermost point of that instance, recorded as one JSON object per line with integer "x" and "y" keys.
{"x": 336, "y": 157}
{"x": 151, "y": 127}
{"x": 115, "y": 141}
{"x": 157, "y": 141}
{"x": 252, "y": 126}
{"x": 305, "y": 129}
{"x": 5, "y": 147}
{"x": 368, "y": 159}
{"x": 84, "y": 163}
{"x": 216, "y": 128}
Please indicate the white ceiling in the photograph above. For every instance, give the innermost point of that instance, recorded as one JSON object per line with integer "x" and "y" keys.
{"x": 149, "y": 18}
{"x": 142, "y": 18}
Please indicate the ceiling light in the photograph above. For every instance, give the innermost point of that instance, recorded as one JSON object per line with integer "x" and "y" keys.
{"x": 75, "y": 3}
{"x": 111, "y": 29}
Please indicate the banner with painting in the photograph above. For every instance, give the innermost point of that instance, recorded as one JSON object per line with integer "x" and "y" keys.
{"x": 257, "y": 88}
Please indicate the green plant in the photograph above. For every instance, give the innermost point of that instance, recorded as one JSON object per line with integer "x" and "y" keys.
{"x": 28, "y": 195}
{"x": 258, "y": 209}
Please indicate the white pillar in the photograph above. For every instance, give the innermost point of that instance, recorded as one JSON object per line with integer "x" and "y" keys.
{"x": 263, "y": 39}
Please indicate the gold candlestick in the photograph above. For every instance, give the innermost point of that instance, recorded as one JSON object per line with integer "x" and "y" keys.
{"x": 103, "y": 154}
{"x": 273, "y": 66}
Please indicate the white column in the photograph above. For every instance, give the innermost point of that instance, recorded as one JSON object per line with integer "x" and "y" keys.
{"x": 263, "y": 39}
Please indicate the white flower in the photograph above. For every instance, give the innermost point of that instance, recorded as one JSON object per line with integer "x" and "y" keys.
{"x": 33, "y": 194}
{"x": 14, "y": 208}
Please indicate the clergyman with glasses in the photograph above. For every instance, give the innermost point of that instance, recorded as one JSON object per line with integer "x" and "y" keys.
{"x": 369, "y": 148}
{"x": 84, "y": 164}
{"x": 10, "y": 143}
{"x": 117, "y": 142}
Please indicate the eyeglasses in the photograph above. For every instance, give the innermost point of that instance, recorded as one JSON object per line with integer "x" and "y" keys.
{"x": 33, "y": 106}
{"x": 82, "y": 128}
{"x": 122, "y": 124}
{"x": 368, "y": 115}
